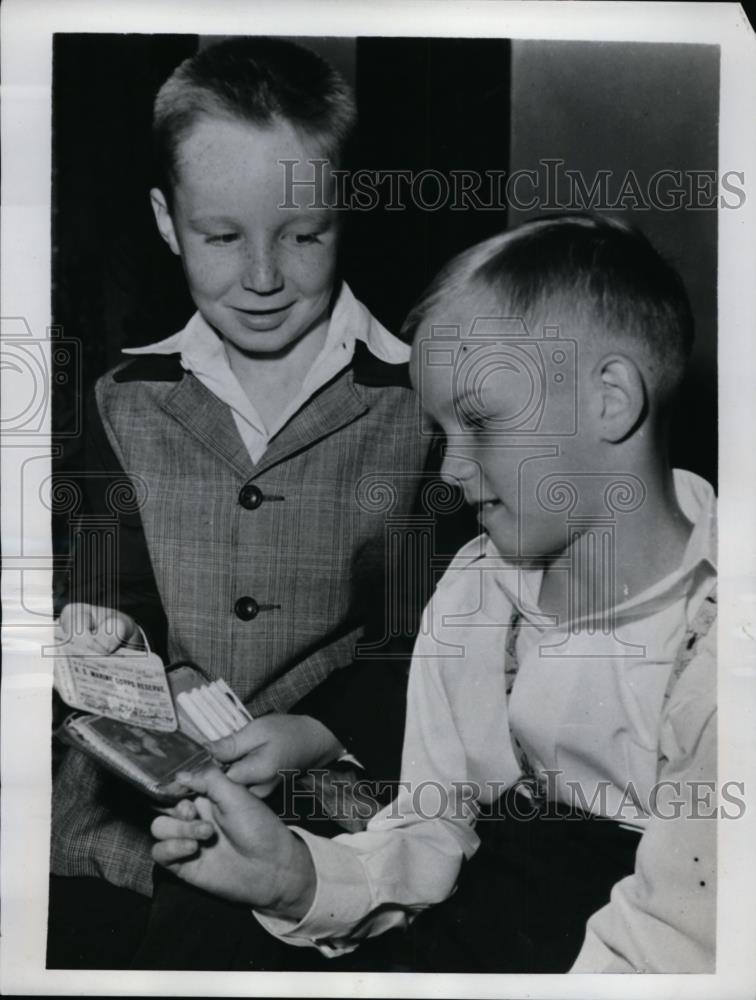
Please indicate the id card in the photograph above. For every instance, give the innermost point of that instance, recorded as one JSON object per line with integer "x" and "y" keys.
{"x": 127, "y": 686}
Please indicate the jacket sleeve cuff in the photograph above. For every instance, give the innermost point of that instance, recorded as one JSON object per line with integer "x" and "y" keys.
{"x": 342, "y": 899}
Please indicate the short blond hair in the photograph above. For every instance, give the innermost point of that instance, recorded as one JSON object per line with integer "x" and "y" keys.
{"x": 600, "y": 271}
{"x": 258, "y": 80}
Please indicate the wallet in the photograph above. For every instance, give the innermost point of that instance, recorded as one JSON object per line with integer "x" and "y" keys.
{"x": 151, "y": 724}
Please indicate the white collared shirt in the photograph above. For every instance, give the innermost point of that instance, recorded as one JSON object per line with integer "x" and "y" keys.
{"x": 202, "y": 353}
{"x": 594, "y": 717}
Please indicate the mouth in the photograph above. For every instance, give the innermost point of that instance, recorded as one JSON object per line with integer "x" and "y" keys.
{"x": 263, "y": 320}
{"x": 264, "y": 312}
{"x": 484, "y": 505}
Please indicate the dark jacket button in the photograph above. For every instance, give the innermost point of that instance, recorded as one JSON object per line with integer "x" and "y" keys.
{"x": 246, "y": 608}
{"x": 250, "y": 497}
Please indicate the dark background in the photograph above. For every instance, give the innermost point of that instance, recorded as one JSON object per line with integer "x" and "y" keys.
{"x": 471, "y": 104}
{"x": 643, "y": 107}
{"x": 115, "y": 284}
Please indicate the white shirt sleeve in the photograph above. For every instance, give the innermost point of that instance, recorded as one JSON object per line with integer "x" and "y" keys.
{"x": 409, "y": 856}
{"x": 456, "y": 737}
{"x": 662, "y": 918}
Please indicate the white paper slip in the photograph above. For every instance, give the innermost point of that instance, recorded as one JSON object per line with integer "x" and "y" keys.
{"x": 129, "y": 687}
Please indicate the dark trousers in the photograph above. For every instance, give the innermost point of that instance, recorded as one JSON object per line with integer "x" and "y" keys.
{"x": 523, "y": 899}
{"x": 521, "y": 905}
{"x": 93, "y": 924}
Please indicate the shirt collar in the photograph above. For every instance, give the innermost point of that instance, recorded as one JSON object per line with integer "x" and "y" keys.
{"x": 698, "y": 566}
{"x": 201, "y": 348}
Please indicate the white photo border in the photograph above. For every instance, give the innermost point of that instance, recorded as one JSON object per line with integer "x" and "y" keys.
{"x": 27, "y": 30}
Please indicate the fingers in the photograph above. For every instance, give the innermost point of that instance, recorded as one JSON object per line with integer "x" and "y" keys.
{"x": 75, "y": 620}
{"x": 254, "y": 769}
{"x": 171, "y": 852}
{"x": 250, "y": 755}
{"x": 262, "y": 791}
{"x": 185, "y": 809}
{"x": 170, "y": 828}
{"x": 121, "y": 627}
{"x": 238, "y": 744}
{"x": 249, "y": 752}
{"x": 91, "y": 629}
{"x": 224, "y": 794}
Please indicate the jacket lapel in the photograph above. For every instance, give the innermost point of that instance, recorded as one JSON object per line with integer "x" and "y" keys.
{"x": 210, "y": 422}
{"x": 334, "y": 406}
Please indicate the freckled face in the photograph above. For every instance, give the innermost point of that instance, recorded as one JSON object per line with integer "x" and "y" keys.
{"x": 261, "y": 275}
{"x": 480, "y": 394}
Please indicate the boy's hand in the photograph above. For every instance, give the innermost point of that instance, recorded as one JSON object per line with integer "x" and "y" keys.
{"x": 275, "y": 743}
{"x": 90, "y": 630}
{"x": 185, "y": 809}
{"x": 237, "y": 848}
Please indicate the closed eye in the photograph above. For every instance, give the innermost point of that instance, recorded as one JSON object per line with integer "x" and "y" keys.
{"x": 221, "y": 239}
{"x": 305, "y": 239}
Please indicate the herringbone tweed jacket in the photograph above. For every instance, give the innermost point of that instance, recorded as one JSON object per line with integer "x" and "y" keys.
{"x": 265, "y": 575}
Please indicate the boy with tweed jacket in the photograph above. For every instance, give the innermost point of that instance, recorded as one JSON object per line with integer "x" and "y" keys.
{"x": 250, "y": 543}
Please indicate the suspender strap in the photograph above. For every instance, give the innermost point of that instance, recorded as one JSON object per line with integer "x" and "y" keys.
{"x": 696, "y": 631}
{"x": 530, "y": 783}
{"x": 698, "y": 628}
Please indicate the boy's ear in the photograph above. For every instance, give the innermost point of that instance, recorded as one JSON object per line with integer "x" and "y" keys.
{"x": 621, "y": 399}
{"x": 163, "y": 218}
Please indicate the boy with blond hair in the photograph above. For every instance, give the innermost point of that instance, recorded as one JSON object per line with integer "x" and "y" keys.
{"x": 561, "y": 725}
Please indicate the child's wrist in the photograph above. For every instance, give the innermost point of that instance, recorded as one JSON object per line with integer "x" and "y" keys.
{"x": 297, "y": 881}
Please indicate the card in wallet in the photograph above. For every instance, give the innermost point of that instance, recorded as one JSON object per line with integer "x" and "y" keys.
{"x": 129, "y": 685}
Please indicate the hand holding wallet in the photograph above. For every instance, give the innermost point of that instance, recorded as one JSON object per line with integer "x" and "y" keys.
{"x": 142, "y": 721}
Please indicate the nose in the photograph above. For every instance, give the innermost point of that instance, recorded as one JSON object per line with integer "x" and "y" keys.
{"x": 261, "y": 273}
